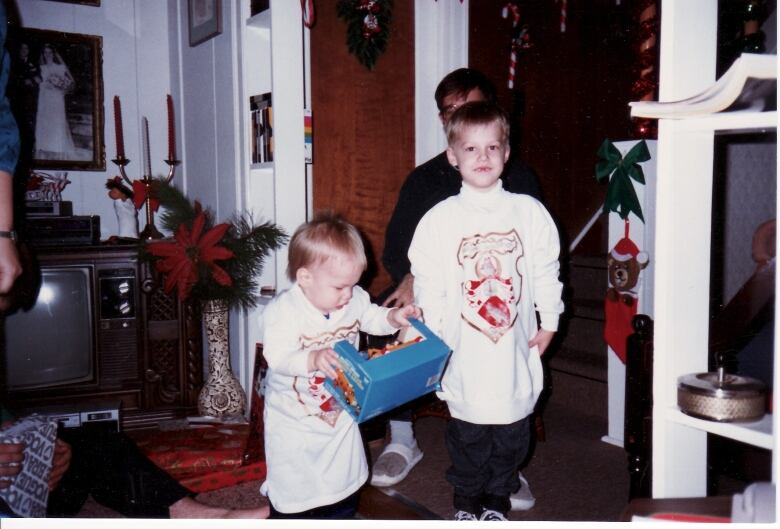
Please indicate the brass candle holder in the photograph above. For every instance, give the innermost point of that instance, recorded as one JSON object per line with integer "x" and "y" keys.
{"x": 150, "y": 231}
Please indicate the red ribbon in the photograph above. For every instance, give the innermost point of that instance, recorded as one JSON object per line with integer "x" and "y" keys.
{"x": 139, "y": 195}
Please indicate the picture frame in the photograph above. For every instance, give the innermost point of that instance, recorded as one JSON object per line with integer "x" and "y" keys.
{"x": 204, "y": 20}
{"x": 55, "y": 88}
{"x": 95, "y": 3}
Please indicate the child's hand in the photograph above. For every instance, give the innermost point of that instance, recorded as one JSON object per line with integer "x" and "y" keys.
{"x": 399, "y": 317}
{"x": 326, "y": 360}
{"x": 542, "y": 339}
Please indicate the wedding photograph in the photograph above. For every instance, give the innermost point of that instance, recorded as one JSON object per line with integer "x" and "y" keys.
{"x": 56, "y": 83}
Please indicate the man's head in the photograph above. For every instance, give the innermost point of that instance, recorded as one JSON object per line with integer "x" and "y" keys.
{"x": 326, "y": 257}
{"x": 478, "y": 143}
{"x": 461, "y": 86}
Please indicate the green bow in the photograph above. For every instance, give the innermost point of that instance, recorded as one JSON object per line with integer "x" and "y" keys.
{"x": 621, "y": 197}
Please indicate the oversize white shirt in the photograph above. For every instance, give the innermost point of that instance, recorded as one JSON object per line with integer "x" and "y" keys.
{"x": 314, "y": 452}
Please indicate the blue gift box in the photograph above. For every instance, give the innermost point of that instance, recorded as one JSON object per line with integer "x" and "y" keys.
{"x": 380, "y": 384}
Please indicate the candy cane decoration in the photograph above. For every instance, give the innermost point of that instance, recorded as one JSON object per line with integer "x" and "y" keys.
{"x": 564, "y": 9}
{"x": 307, "y": 7}
{"x": 513, "y": 51}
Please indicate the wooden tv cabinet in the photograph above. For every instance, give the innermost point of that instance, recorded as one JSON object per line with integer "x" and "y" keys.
{"x": 157, "y": 372}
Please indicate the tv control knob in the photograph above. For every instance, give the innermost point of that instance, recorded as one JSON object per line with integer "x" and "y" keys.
{"x": 147, "y": 285}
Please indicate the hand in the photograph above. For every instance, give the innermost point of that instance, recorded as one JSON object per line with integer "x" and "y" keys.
{"x": 11, "y": 457}
{"x": 542, "y": 339}
{"x": 403, "y": 295}
{"x": 10, "y": 268}
{"x": 399, "y": 317}
{"x": 326, "y": 360}
{"x": 60, "y": 463}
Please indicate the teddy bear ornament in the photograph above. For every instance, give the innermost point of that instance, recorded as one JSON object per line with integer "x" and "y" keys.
{"x": 624, "y": 264}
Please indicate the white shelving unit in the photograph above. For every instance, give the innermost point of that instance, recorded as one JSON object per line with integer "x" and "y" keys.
{"x": 273, "y": 46}
{"x": 683, "y": 236}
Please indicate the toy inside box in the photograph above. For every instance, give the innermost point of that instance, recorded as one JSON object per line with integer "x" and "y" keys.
{"x": 375, "y": 381}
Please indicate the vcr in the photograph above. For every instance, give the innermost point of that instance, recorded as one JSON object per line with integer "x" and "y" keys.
{"x": 64, "y": 231}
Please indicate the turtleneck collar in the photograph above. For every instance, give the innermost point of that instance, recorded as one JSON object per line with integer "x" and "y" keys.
{"x": 481, "y": 198}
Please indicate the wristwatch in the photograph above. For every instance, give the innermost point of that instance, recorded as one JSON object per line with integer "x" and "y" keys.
{"x": 8, "y": 235}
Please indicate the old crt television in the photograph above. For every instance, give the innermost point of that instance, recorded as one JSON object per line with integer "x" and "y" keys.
{"x": 81, "y": 333}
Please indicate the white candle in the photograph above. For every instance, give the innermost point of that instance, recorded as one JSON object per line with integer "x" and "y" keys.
{"x": 147, "y": 158}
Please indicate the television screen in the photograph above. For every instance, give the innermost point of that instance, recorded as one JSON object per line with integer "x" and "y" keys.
{"x": 52, "y": 343}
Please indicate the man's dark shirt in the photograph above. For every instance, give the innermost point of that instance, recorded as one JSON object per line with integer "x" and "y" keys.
{"x": 426, "y": 186}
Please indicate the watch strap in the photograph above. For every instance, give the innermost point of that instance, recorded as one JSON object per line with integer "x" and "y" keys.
{"x": 8, "y": 235}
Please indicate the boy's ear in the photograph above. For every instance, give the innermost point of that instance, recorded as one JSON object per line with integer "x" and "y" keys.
{"x": 451, "y": 157}
{"x": 303, "y": 276}
{"x": 507, "y": 150}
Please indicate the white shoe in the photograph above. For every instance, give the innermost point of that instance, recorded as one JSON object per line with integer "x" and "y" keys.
{"x": 522, "y": 499}
{"x": 489, "y": 515}
{"x": 465, "y": 516}
{"x": 394, "y": 464}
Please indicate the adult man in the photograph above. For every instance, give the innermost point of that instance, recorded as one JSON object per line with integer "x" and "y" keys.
{"x": 426, "y": 186}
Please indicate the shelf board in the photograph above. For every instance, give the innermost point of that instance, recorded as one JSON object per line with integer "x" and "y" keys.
{"x": 262, "y": 20}
{"x": 758, "y": 433}
{"x": 730, "y": 122}
{"x": 264, "y": 166}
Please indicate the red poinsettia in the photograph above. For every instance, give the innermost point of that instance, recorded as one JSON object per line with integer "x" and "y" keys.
{"x": 182, "y": 258}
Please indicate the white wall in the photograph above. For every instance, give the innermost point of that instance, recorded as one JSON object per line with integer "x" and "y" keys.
{"x": 136, "y": 67}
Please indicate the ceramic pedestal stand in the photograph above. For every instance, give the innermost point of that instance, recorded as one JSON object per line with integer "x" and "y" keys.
{"x": 222, "y": 394}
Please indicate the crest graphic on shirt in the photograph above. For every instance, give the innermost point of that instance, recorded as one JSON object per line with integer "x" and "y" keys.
{"x": 489, "y": 291}
{"x": 315, "y": 398}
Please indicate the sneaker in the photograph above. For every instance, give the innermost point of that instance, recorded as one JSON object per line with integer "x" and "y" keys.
{"x": 489, "y": 515}
{"x": 522, "y": 499}
{"x": 465, "y": 516}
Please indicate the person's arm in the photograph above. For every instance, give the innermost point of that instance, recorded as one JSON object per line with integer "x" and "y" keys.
{"x": 10, "y": 267}
{"x": 429, "y": 284}
{"x": 11, "y": 457}
{"x": 9, "y": 155}
{"x": 547, "y": 287}
{"x": 280, "y": 342}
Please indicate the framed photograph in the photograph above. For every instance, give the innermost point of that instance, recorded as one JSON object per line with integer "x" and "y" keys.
{"x": 95, "y": 3}
{"x": 205, "y": 20}
{"x": 56, "y": 91}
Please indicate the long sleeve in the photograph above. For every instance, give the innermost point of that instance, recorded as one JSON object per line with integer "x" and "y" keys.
{"x": 281, "y": 348}
{"x": 429, "y": 279}
{"x": 9, "y": 132}
{"x": 546, "y": 269}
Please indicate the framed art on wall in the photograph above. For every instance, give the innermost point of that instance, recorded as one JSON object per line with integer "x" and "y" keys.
{"x": 205, "y": 20}
{"x": 95, "y": 3}
{"x": 56, "y": 91}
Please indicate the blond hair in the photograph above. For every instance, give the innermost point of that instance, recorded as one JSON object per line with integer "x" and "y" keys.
{"x": 324, "y": 237}
{"x": 476, "y": 114}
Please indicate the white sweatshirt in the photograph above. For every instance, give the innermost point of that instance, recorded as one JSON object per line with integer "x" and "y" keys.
{"x": 483, "y": 264}
{"x": 313, "y": 448}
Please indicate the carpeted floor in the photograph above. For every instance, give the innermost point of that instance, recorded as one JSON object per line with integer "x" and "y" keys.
{"x": 573, "y": 474}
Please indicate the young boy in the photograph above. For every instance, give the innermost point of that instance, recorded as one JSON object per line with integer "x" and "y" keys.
{"x": 315, "y": 456}
{"x": 484, "y": 261}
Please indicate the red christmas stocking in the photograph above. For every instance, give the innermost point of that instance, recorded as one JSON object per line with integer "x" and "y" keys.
{"x": 617, "y": 326}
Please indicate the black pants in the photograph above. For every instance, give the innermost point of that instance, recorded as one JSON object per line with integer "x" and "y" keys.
{"x": 485, "y": 459}
{"x": 342, "y": 510}
{"x": 108, "y": 465}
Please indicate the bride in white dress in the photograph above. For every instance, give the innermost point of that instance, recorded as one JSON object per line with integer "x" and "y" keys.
{"x": 53, "y": 139}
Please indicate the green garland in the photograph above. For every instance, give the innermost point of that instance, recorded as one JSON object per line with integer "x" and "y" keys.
{"x": 368, "y": 27}
{"x": 249, "y": 243}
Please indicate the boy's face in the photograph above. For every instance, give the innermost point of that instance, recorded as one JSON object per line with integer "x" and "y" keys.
{"x": 328, "y": 285}
{"x": 480, "y": 153}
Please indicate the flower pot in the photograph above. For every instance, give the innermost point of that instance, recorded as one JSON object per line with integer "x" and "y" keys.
{"x": 222, "y": 395}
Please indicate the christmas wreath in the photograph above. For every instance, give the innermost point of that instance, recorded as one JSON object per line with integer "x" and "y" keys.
{"x": 209, "y": 261}
{"x": 368, "y": 27}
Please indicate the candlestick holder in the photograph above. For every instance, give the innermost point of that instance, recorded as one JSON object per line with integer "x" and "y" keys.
{"x": 150, "y": 231}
